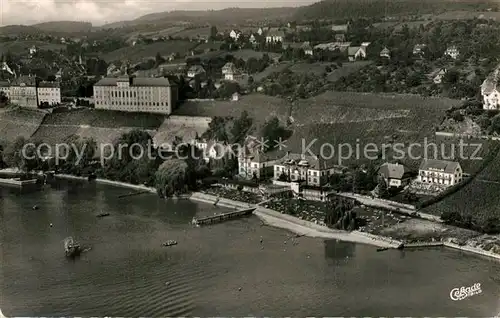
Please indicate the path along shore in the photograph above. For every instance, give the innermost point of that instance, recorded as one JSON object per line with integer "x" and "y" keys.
{"x": 291, "y": 223}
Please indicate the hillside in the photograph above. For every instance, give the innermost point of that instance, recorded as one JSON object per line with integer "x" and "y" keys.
{"x": 218, "y": 17}
{"x": 19, "y": 123}
{"x": 142, "y": 51}
{"x": 64, "y": 26}
{"x": 345, "y": 9}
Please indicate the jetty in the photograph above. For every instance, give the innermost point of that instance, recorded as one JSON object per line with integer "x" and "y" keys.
{"x": 223, "y": 217}
{"x": 132, "y": 194}
{"x": 423, "y": 244}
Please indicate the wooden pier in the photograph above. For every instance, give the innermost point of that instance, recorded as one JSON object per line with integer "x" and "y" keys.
{"x": 223, "y": 217}
{"x": 428, "y": 244}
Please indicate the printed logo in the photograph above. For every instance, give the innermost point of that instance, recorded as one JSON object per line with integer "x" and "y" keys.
{"x": 464, "y": 292}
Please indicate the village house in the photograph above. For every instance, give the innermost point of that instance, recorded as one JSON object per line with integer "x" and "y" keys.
{"x": 418, "y": 49}
{"x": 235, "y": 97}
{"x": 452, "y": 52}
{"x": 261, "y": 31}
{"x": 49, "y": 92}
{"x": 63, "y": 41}
{"x": 230, "y": 72}
{"x": 385, "y": 53}
{"x": 440, "y": 172}
{"x": 437, "y": 76}
{"x": 339, "y": 27}
{"x": 211, "y": 149}
{"x": 252, "y": 39}
{"x": 4, "y": 87}
{"x": 490, "y": 91}
{"x": 235, "y": 34}
{"x": 33, "y": 50}
{"x": 356, "y": 53}
{"x": 310, "y": 170}
{"x": 255, "y": 164}
{"x": 195, "y": 70}
{"x": 275, "y": 36}
{"x": 307, "y": 48}
{"x": 395, "y": 175}
{"x": 23, "y": 92}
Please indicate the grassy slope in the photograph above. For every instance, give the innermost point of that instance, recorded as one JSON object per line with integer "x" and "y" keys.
{"x": 103, "y": 126}
{"x": 335, "y": 75}
{"x": 22, "y": 47}
{"x": 142, "y": 51}
{"x": 19, "y": 123}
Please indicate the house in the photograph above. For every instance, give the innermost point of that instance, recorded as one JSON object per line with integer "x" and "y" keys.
{"x": 394, "y": 174}
{"x": 365, "y": 44}
{"x": 306, "y": 46}
{"x": 340, "y": 27}
{"x": 235, "y": 34}
{"x": 356, "y": 53}
{"x": 418, "y": 49}
{"x": 385, "y": 53}
{"x": 340, "y": 37}
{"x": 59, "y": 74}
{"x": 63, "y": 41}
{"x": 195, "y": 70}
{"x": 261, "y": 31}
{"x": 211, "y": 149}
{"x": 452, "y": 52}
{"x": 23, "y": 92}
{"x": 275, "y": 36}
{"x": 437, "y": 76}
{"x": 33, "y": 50}
{"x": 440, "y": 172}
{"x": 235, "y": 97}
{"x": 255, "y": 163}
{"x": 4, "y": 87}
{"x": 490, "y": 91}
{"x": 49, "y": 93}
{"x": 252, "y": 39}
{"x": 230, "y": 72}
{"x": 291, "y": 25}
{"x": 310, "y": 170}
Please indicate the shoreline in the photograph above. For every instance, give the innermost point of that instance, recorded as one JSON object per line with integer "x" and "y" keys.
{"x": 295, "y": 225}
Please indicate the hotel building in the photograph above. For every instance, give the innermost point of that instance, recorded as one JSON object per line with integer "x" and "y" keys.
{"x": 49, "y": 92}
{"x": 23, "y": 92}
{"x": 440, "y": 172}
{"x": 136, "y": 94}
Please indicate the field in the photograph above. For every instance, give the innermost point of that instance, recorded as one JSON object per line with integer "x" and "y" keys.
{"x": 246, "y": 54}
{"x": 270, "y": 70}
{"x": 19, "y": 123}
{"x": 319, "y": 68}
{"x": 468, "y": 15}
{"x": 103, "y": 126}
{"x": 22, "y": 47}
{"x": 192, "y": 33}
{"x": 171, "y": 128}
{"x": 162, "y": 32}
{"x": 258, "y": 106}
{"x": 392, "y": 123}
{"x": 143, "y": 51}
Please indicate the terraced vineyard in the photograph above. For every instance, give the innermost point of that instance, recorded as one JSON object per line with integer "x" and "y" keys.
{"x": 19, "y": 123}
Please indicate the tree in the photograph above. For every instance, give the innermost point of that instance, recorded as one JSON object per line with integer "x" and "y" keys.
{"x": 4, "y": 100}
{"x": 159, "y": 59}
{"x": 240, "y": 127}
{"x": 173, "y": 176}
{"x": 213, "y": 32}
{"x": 22, "y": 154}
{"x": 272, "y": 132}
{"x": 382, "y": 189}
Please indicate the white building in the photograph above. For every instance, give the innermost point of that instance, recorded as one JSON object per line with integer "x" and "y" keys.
{"x": 33, "y": 50}
{"x": 313, "y": 171}
{"x": 49, "y": 92}
{"x": 252, "y": 39}
{"x": 452, "y": 52}
{"x": 307, "y": 48}
{"x": 210, "y": 149}
{"x": 356, "y": 53}
{"x": 23, "y": 92}
{"x": 440, "y": 172}
{"x": 491, "y": 92}
{"x": 437, "y": 77}
{"x": 275, "y": 36}
{"x": 385, "y": 53}
{"x": 235, "y": 34}
{"x": 195, "y": 70}
{"x": 230, "y": 72}
{"x": 151, "y": 95}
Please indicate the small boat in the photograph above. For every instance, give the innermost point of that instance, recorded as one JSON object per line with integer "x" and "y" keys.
{"x": 71, "y": 248}
{"x": 101, "y": 215}
{"x": 382, "y": 249}
{"x": 35, "y": 207}
{"x": 170, "y": 243}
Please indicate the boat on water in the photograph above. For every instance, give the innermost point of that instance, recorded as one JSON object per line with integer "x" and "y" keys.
{"x": 71, "y": 248}
{"x": 101, "y": 215}
{"x": 170, "y": 243}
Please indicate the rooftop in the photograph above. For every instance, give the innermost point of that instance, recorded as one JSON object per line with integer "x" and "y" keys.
{"x": 393, "y": 170}
{"x": 439, "y": 165}
{"x": 135, "y": 81}
{"x": 48, "y": 84}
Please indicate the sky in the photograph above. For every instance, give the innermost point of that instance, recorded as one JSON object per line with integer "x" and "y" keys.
{"x": 100, "y": 12}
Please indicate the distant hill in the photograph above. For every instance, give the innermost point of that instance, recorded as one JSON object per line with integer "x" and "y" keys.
{"x": 218, "y": 17}
{"x": 344, "y": 9}
{"x": 19, "y": 30}
{"x": 64, "y": 26}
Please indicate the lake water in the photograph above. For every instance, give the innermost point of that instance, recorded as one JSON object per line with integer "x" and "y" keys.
{"x": 128, "y": 273}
